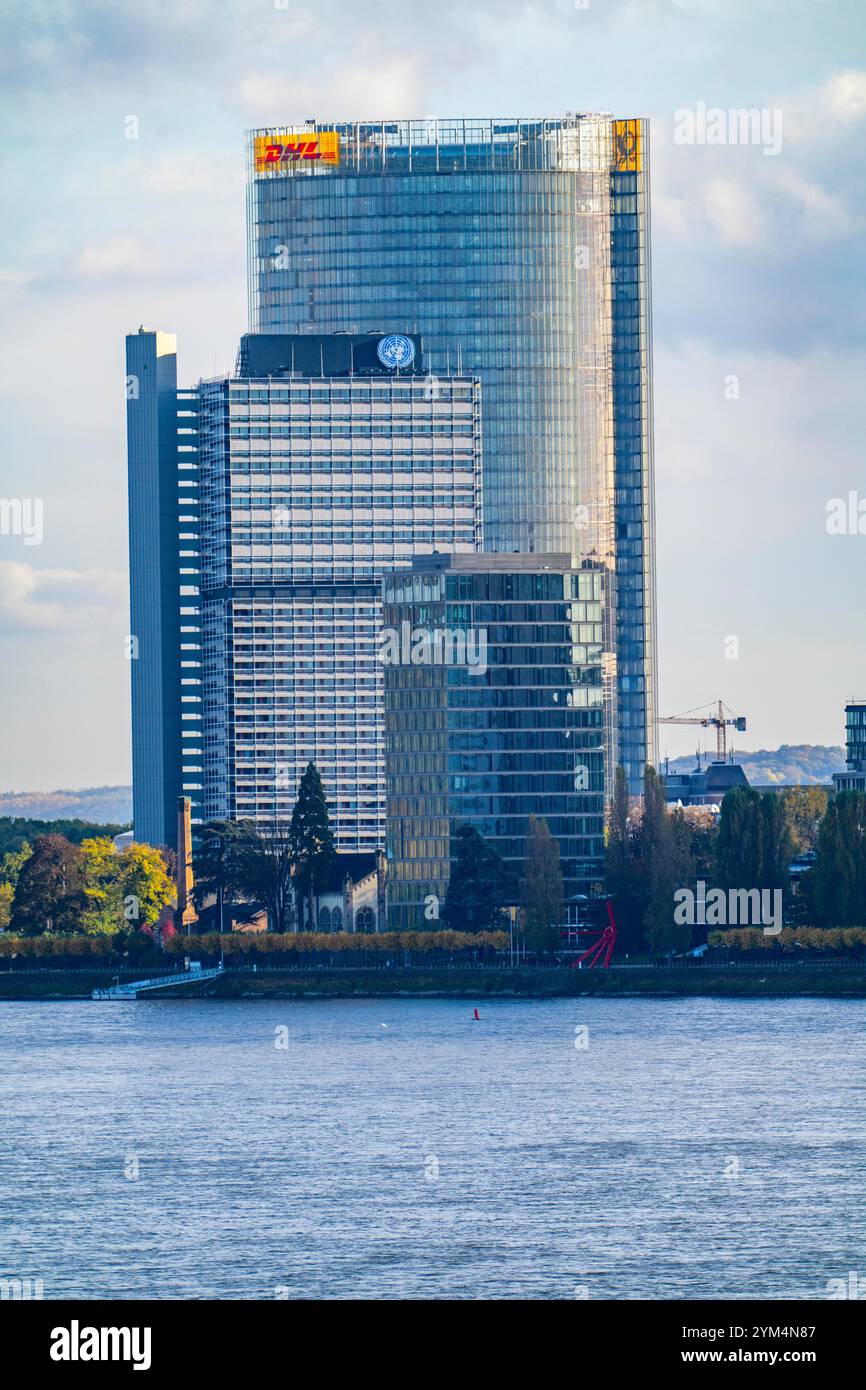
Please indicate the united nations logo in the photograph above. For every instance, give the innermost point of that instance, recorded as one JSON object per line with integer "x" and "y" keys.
{"x": 396, "y": 351}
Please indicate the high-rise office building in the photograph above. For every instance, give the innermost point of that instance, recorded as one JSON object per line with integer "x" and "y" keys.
{"x": 493, "y": 714}
{"x": 163, "y": 642}
{"x": 520, "y": 249}
{"x": 327, "y": 461}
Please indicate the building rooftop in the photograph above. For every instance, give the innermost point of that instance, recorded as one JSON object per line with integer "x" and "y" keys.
{"x": 486, "y": 560}
{"x": 325, "y": 355}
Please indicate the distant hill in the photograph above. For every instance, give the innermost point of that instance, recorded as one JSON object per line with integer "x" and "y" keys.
{"x": 102, "y": 805}
{"x": 793, "y": 762}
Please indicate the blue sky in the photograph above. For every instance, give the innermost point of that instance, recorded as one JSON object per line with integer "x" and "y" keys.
{"x": 758, "y": 274}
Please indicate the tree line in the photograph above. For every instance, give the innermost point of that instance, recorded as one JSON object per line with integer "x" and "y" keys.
{"x": 56, "y": 887}
{"x": 653, "y": 850}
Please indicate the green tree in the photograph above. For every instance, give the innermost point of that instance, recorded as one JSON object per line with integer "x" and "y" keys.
{"x": 740, "y": 846}
{"x": 311, "y": 841}
{"x": 623, "y": 876}
{"x": 806, "y": 807}
{"x": 668, "y": 865}
{"x": 840, "y": 864}
{"x": 755, "y": 846}
{"x": 224, "y": 868}
{"x": 542, "y": 897}
{"x": 16, "y": 831}
{"x": 49, "y": 894}
{"x": 11, "y": 865}
{"x": 778, "y": 843}
{"x": 479, "y": 885}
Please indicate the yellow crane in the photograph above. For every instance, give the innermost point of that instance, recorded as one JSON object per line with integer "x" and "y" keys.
{"x": 721, "y": 720}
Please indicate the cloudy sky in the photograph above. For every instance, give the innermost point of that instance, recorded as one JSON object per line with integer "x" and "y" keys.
{"x": 759, "y": 306}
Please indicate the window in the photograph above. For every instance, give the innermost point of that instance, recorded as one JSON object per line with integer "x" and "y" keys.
{"x": 365, "y": 919}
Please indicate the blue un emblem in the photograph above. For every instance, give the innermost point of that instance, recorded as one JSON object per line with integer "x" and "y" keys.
{"x": 396, "y": 351}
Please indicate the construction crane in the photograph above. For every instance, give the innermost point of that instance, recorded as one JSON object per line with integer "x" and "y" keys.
{"x": 721, "y": 720}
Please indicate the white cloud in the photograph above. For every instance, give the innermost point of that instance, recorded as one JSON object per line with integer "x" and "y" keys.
{"x": 823, "y": 112}
{"x": 60, "y": 601}
{"x": 119, "y": 255}
{"x": 376, "y": 87}
{"x": 733, "y": 211}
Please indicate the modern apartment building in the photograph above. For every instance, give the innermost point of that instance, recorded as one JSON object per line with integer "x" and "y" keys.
{"x": 493, "y": 714}
{"x": 520, "y": 250}
{"x": 327, "y": 461}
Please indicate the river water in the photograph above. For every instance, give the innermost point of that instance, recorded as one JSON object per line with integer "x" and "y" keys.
{"x": 396, "y": 1148}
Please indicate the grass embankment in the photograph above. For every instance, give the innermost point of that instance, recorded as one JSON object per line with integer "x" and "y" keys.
{"x": 543, "y": 984}
{"x": 666, "y": 982}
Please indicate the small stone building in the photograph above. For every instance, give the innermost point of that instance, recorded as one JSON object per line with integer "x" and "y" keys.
{"x": 353, "y": 896}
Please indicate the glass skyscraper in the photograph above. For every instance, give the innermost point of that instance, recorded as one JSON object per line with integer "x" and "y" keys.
{"x": 520, "y": 249}
{"x": 493, "y": 714}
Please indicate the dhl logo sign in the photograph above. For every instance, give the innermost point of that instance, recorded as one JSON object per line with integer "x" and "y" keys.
{"x": 626, "y": 147}
{"x": 275, "y": 152}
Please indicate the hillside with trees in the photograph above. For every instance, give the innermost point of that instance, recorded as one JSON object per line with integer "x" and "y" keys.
{"x": 100, "y": 805}
{"x": 793, "y": 762}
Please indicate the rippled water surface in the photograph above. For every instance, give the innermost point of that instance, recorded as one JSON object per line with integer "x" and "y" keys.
{"x": 398, "y": 1148}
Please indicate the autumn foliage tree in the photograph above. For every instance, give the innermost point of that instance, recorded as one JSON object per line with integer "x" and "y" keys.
{"x": 88, "y": 888}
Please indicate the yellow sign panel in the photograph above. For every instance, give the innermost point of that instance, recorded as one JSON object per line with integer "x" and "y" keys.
{"x": 626, "y": 147}
{"x": 279, "y": 152}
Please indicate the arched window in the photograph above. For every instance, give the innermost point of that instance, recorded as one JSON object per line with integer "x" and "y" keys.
{"x": 336, "y": 919}
{"x": 365, "y": 919}
{"x": 324, "y": 923}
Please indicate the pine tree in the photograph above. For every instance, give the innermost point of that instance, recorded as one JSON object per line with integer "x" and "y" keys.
{"x": 311, "y": 840}
{"x": 542, "y": 897}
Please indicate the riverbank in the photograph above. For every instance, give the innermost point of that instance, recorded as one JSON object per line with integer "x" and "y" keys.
{"x": 842, "y": 980}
